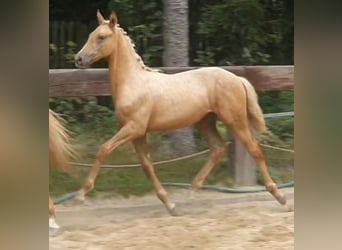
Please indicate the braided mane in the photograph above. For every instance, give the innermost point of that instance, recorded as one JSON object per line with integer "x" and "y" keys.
{"x": 139, "y": 59}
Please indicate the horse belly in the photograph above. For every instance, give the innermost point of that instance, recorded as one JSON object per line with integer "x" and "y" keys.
{"x": 176, "y": 116}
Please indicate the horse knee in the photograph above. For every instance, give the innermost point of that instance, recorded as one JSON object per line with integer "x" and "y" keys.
{"x": 104, "y": 150}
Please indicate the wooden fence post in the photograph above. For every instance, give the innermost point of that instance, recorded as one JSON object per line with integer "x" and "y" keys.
{"x": 243, "y": 164}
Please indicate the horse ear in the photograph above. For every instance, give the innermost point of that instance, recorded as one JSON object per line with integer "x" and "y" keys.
{"x": 113, "y": 20}
{"x": 100, "y": 18}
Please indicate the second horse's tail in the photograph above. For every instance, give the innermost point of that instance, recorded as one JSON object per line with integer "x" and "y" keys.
{"x": 60, "y": 148}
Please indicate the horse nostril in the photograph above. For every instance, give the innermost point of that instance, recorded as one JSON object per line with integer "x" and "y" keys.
{"x": 78, "y": 60}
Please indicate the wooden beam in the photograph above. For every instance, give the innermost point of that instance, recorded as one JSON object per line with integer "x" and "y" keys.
{"x": 95, "y": 82}
{"x": 243, "y": 164}
{"x": 278, "y": 115}
{"x": 79, "y": 82}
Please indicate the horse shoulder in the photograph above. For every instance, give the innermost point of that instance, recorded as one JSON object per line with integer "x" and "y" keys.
{"x": 132, "y": 105}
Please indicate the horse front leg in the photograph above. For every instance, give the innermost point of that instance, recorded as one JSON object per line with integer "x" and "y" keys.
{"x": 141, "y": 148}
{"x": 128, "y": 132}
{"x": 53, "y": 226}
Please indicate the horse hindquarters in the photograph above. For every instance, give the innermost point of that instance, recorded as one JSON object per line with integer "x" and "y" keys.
{"x": 234, "y": 110}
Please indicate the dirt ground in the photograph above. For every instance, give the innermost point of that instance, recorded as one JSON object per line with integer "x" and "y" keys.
{"x": 211, "y": 221}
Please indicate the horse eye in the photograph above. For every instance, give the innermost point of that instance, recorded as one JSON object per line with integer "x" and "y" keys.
{"x": 101, "y": 38}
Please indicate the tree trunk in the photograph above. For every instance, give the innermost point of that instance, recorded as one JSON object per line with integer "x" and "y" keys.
{"x": 176, "y": 47}
{"x": 176, "y": 33}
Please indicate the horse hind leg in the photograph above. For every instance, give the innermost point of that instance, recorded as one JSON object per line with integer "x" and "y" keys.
{"x": 207, "y": 128}
{"x": 242, "y": 131}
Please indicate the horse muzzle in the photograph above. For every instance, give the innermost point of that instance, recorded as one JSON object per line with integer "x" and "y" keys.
{"x": 81, "y": 63}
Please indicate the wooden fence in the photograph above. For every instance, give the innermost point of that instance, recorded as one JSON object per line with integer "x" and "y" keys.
{"x": 95, "y": 82}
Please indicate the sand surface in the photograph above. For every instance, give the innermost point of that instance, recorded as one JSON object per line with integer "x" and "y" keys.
{"x": 210, "y": 221}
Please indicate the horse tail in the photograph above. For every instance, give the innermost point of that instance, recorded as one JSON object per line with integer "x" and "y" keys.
{"x": 60, "y": 147}
{"x": 255, "y": 114}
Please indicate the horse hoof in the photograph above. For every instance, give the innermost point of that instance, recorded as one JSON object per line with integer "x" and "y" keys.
{"x": 80, "y": 197}
{"x": 281, "y": 199}
{"x": 54, "y": 228}
{"x": 52, "y": 223}
{"x": 272, "y": 188}
{"x": 53, "y": 232}
{"x": 289, "y": 208}
{"x": 172, "y": 210}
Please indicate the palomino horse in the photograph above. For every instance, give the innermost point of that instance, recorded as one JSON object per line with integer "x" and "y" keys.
{"x": 147, "y": 101}
{"x": 59, "y": 151}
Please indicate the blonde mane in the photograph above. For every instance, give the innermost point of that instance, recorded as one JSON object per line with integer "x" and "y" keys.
{"x": 131, "y": 42}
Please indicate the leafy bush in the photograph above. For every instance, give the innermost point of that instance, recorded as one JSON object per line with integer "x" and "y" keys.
{"x": 233, "y": 33}
{"x": 68, "y": 53}
{"x": 84, "y": 114}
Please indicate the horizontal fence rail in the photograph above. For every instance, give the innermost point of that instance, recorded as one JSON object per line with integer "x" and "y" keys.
{"x": 95, "y": 82}
{"x": 278, "y": 115}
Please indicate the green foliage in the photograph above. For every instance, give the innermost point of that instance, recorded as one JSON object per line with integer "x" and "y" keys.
{"x": 283, "y": 128}
{"x": 84, "y": 114}
{"x": 61, "y": 183}
{"x": 273, "y": 102}
{"x": 233, "y": 32}
{"x": 68, "y": 53}
{"x": 71, "y": 52}
{"x": 245, "y": 32}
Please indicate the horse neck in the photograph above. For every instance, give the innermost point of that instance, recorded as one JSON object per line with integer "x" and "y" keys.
{"x": 123, "y": 64}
